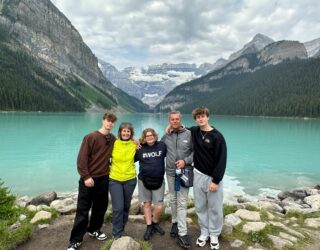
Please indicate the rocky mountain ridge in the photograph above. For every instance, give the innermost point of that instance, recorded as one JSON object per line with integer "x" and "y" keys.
{"x": 152, "y": 83}
{"x": 148, "y": 84}
{"x": 42, "y": 31}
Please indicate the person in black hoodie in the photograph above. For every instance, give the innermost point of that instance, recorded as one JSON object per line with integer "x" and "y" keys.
{"x": 151, "y": 184}
{"x": 210, "y": 159}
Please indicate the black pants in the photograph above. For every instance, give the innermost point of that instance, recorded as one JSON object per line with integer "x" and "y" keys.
{"x": 96, "y": 198}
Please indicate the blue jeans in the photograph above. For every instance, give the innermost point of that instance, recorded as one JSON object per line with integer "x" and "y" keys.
{"x": 121, "y": 194}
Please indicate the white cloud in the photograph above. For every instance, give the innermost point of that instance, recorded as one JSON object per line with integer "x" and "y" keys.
{"x": 142, "y": 32}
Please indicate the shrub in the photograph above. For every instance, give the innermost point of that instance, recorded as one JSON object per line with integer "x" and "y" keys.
{"x": 6, "y": 203}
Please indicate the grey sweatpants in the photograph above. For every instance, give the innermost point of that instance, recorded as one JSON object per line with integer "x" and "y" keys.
{"x": 208, "y": 205}
{"x": 178, "y": 203}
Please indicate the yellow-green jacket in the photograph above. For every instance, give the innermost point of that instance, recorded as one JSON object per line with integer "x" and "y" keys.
{"x": 122, "y": 161}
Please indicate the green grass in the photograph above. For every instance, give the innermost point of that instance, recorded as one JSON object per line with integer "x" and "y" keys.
{"x": 229, "y": 209}
{"x": 301, "y": 217}
{"x": 190, "y": 204}
{"x": 143, "y": 244}
{"x": 264, "y": 215}
{"x": 252, "y": 208}
{"x": 165, "y": 217}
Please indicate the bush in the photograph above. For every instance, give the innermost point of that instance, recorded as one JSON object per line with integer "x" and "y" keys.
{"x": 10, "y": 238}
{"x": 6, "y": 203}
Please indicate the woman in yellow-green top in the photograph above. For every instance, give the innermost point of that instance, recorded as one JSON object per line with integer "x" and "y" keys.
{"x": 122, "y": 177}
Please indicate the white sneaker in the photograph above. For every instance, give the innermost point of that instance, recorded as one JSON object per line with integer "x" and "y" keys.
{"x": 98, "y": 235}
{"x": 202, "y": 240}
{"x": 214, "y": 242}
{"x": 74, "y": 245}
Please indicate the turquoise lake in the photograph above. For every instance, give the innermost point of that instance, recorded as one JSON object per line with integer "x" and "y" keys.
{"x": 38, "y": 151}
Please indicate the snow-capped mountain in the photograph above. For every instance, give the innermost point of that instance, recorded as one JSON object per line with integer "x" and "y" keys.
{"x": 152, "y": 83}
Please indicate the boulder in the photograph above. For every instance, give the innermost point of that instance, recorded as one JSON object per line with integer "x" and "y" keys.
{"x": 43, "y": 226}
{"x": 312, "y": 222}
{"x": 22, "y": 217}
{"x": 237, "y": 244}
{"x": 136, "y": 218}
{"x": 313, "y": 201}
{"x": 289, "y": 230}
{"x": 15, "y": 225}
{"x": 125, "y": 243}
{"x": 41, "y": 215}
{"x": 134, "y": 207}
{"x": 248, "y": 215}
{"x": 296, "y": 193}
{"x": 45, "y": 198}
{"x": 253, "y": 226}
{"x": 288, "y": 237}
{"x": 232, "y": 219}
{"x": 32, "y": 208}
{"x": 279, "y": 243}
{"x": 64, "y": 206}
{"x": 23, "y": 201}
{"x": 267, "y": 205}
{"x": 242, "y": 199}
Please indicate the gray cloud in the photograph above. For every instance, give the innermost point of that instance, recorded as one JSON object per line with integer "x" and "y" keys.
{"x": 142, "y": 32}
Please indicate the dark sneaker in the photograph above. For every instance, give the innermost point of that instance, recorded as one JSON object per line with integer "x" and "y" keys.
{"x": 183, "y": 241}
{"x": 214, "y": 242}
{"x": 157, "y": 228}
{"x": 148, "y": 233}
{"x": 98, "y": 235}
{"x": 74, "y": 245}
{"x": 174, "y": 230}
{"x": 201, "y": 241}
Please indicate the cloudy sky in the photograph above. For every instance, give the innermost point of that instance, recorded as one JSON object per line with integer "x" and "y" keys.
{"x": 143, "y": 32}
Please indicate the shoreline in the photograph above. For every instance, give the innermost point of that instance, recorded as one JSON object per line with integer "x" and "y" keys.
{"x": 157, "y": 113}
{"x": 292, "y": 219}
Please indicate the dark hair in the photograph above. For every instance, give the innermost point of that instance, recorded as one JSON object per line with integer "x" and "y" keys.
{"x": 127, "y": 125}
{"x": 110, "y": 117}
{"x": 200, "y": 111}
{"x": 144, "y": 135}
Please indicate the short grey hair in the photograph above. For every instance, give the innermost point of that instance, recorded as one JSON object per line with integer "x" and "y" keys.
{"x": 175, "y": 112}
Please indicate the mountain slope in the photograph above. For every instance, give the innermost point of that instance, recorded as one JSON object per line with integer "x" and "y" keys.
{"x": 42, "y": 34}
{"x": 313, "y": 47}
{"x": 291, "y": 88}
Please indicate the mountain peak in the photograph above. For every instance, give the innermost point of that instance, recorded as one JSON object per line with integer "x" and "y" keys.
{"x": 262, "y": 38}
{"x": 258, "y": 42}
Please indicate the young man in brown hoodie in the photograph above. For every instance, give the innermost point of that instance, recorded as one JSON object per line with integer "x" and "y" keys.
{"x": 93, "y": 167}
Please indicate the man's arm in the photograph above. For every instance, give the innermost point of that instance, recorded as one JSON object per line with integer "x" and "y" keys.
{"x": 83, "y": 161}
{"x": 220, "y": 156}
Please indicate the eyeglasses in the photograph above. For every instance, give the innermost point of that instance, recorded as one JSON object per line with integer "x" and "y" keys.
{"x": 149, "y": 136}
{"x": 108, "y": 139}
